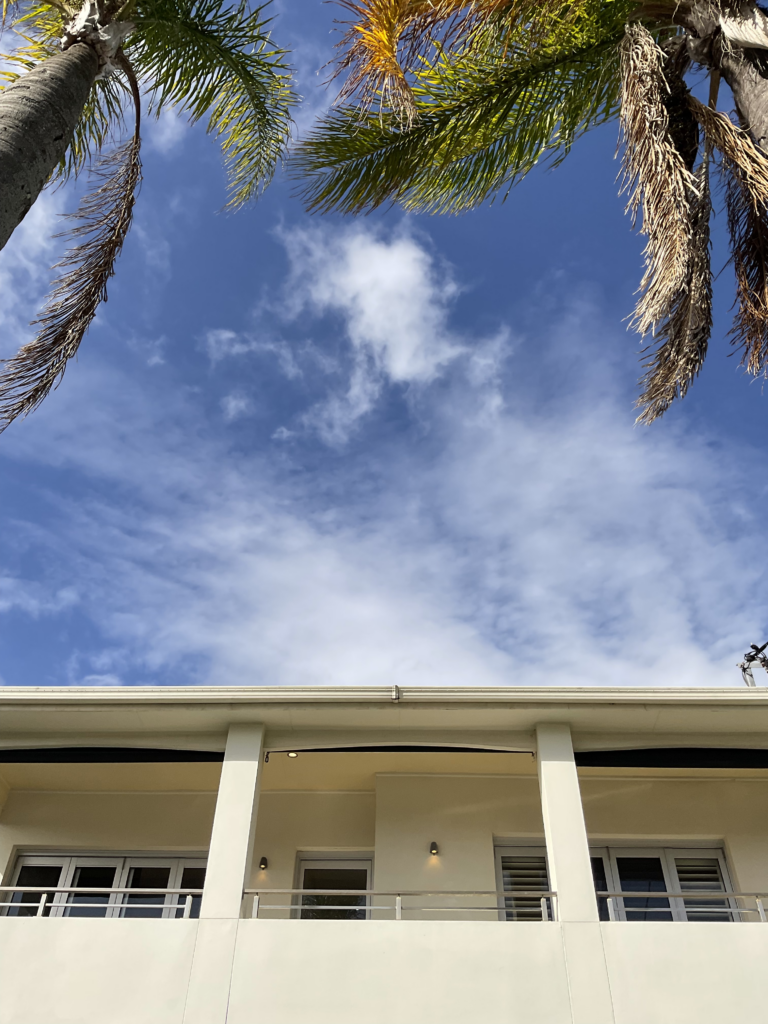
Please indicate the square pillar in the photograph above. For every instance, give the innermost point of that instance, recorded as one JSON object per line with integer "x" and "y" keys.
{"x": 229, "y": 870}
{"x": 570, "y": 870}
{"x": 234, "y": 822}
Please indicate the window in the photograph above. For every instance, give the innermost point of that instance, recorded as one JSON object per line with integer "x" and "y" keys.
{"x": 86, "y": 875}
{"x": 663, "y": 870}
{"x": 522, "y": 871}
{"x": 645, "y": 870}
{"x": 334, "y": 875}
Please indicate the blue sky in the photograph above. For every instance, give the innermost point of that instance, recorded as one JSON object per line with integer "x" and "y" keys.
{"x": 299, "y": 450}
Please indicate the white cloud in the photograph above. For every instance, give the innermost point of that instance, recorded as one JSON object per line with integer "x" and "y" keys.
{"x": 166, "y": 132}
{"x": 34, "y": 598}
{"x": 393, "y": 297}
{"x": 538, "y": 539}
{"x": 235, "y": 406}
{"x": 221, "y": 343}
{"x": 25, "y": 268}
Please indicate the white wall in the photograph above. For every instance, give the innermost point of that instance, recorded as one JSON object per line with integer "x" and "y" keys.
{"x": 105, "y": 821}
{"x": 462, "y": 814}
{"x": 68, "y": 971}
{"x": 307, "y": 822}
{"x": 730, "y": 812}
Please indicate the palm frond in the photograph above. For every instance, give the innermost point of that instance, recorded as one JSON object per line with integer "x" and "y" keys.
{"x": 387, "y": 40}
{"x": 207, "y": 58}
{"x": 655, "y": 176}
{"x": 485, "y": 118}
{"x": 104, "y": 218}
{"x": 683, "y": 336}
{"x": 748, "y": 226}
{"x": 736, "y": 147}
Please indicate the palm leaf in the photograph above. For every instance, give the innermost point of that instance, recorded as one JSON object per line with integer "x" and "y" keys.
{"x": 389, "y": 39}
{"x": 748, "y": 226}
{"x": 655, "y": 175}
{"x": 484, "y": 120}
{"x": 207, "y": 58}
{"x": 104, "y": 218}
{"x": 683, "y": 337}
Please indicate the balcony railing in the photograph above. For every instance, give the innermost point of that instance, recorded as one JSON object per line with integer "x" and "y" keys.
{"x": 390, "y": 904}
{"x": 683, "y": 906}
{"x": 37, "y": 901}
{"x": 378, "y": 904}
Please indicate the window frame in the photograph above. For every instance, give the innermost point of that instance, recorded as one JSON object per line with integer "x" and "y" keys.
{"x": 666, "y": 855}
{"x": 519, "y": 850}
{"x": 334, "y": 859}
{"x": 172, "y": 906}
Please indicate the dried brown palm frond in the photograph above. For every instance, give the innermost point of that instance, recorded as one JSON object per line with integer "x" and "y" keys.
{"x": 104, "y": 217}
{"x": 748, "y": 226}
{"x": 656, "y": 177}
{"x": 745, "y": 172}
{"x": 387, "y": 38}
{"x": 736, "y": 147}
{"x": 683, "y": 336}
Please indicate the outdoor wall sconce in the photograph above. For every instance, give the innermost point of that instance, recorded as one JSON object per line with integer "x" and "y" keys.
{"x": 263, "y": 864}
{"x": 292, "y": 753}
{"x": 433, "y": 849}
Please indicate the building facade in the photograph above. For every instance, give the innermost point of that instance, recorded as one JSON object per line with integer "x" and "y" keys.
{"x": 314, "y": 856}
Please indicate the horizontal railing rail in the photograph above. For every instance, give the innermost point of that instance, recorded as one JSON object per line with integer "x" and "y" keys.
{"x": 522, "y": 905}
{"x": 55, "y": 901}
{"x": 734, "y": 906}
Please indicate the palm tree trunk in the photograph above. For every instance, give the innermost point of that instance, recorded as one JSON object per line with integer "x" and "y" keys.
{"x": 749, "y": 85}
{"x": 38, "y": 114}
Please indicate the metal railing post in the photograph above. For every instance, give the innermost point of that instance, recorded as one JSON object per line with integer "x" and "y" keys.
{"x": 41, "y": 905}
{"x": 255, "y": 906}
{"x": 187, "y": 905}
{"x": 761, "y": 909}
{"x": 611, "y": 908}
{"x": 544, "y": 909}
{"x": 398, "y": 908}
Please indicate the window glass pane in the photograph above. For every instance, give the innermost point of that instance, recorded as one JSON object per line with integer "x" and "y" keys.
{"x": 191, "y": 878}
{"x": 26, "y": 904}
{"x": 144, "y": 904}
{"x": 331, "y": 906}
{"x": 90, "y": 904}
{"x": 601, "y": 885}
{"x": 524, "y": 874}
{"x": 702, "y": 874}
{"x": 643, "y": 874}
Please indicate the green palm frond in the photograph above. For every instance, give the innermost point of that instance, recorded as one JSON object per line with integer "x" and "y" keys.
{"x": 206, "y": 58}
{"x": 483, "y": 119}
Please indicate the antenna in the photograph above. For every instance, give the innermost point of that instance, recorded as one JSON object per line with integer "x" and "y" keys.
{"x": 754, "y": 653}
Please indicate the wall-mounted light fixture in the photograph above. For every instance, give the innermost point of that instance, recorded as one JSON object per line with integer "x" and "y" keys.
{"x": 433, "y": 849}
{"x": 292, "y": 753}
{"x": 263, "y": 864}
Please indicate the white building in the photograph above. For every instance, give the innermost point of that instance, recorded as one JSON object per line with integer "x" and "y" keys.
{"x": 157, "y": 846}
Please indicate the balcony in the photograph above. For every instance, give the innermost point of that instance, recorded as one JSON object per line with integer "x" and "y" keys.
{"x": 382, "y": 887}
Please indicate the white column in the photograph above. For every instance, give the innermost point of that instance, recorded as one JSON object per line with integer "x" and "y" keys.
{"x": 234, "y": 823}
{"x": 570, "y": 872}
{"x": 228, "y": 873}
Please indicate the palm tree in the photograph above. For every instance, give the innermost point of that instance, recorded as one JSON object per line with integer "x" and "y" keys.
{"x": 448, "y": 103}
{"x": 73, "y": 77}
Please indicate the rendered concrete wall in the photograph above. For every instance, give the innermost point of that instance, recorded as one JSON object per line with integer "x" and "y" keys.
{"x": 728, "y": 811}
{"x": 463, "y": 815}
{"x": 69, "y": 971}
{"x": 290, "y": 822}
{"x": 105, "y": 821}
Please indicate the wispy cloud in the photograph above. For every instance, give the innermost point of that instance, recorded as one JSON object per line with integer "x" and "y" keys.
{"x": 532, "y": 535}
